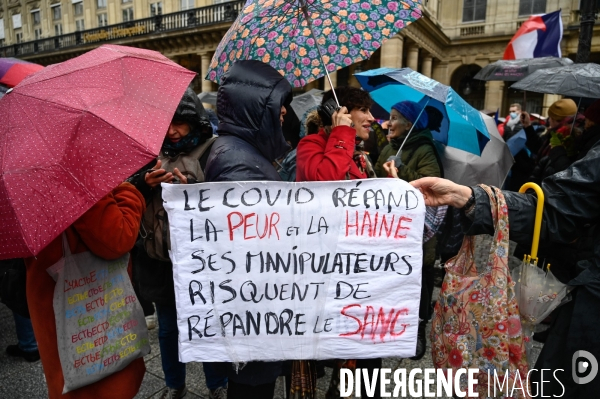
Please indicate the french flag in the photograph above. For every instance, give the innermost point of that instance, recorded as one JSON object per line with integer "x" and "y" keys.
{"x": 539, "y": 36}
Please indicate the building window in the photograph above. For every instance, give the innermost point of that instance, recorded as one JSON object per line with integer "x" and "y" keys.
{"x": 58, "y": 30}
{"x": 35, "y": 17}
{"x": 102, "y": 19}
{"x": 155, "y": 8}
{"x": 19, "y": 37}
{"x": 474, "y": 10}
{"x": 16, "y": 20}
{"x": 56, "y": 13}
{"x": 187, "y": 4}
{"x": 128, "y": 14}
{"x": 126, "y": 1}
{"x": 78, "y": 8}
{"x": 37, "y": 33}
{"x": 531, "y": 7}
{"x": 79, "y": 25}
{"x": 101, "y": 3}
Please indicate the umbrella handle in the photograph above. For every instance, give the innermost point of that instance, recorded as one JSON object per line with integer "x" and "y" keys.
{"x": 572, "y": 124}
{"x": 304, "y": 9}
{"x": 538, "y": 215}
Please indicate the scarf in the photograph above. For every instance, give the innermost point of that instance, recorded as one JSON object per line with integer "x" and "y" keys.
{"x": 361, "y": 159}
{"x": 434, "y": 216}
{"x": 512, "y": 122}
{"x": 192, "y": 140}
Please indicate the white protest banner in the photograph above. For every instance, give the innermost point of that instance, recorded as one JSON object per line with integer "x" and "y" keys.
{"x": 277, "y": 270}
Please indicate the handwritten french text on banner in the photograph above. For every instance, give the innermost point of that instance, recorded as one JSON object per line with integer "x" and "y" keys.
{"x": 273, "y": 270}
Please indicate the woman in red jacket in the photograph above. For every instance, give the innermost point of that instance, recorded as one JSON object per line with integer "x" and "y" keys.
{"x": 335, "y": 153}
{"x": 109, "y": 230}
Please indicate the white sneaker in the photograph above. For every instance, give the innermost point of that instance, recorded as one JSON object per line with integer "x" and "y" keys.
{"x": 151, "y": 321}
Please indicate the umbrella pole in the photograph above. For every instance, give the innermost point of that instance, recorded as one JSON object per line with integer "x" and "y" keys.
{"x": 411, "y": 128}
{"x": 575, "y": 117}
{"x": 305, "y": 12}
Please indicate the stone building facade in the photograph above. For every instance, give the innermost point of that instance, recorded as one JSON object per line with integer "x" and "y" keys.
{"x": 451, "y": 43}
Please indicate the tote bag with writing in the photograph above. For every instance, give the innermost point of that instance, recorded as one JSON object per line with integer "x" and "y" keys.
{"x": 100, "y": 325}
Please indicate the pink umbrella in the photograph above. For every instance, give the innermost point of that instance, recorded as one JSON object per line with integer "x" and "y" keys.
{"x": 74, "y": 131}
{"x": 13, "y": 70}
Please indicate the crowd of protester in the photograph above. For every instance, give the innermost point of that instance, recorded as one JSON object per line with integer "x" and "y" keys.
{"x": 247, "y": 143}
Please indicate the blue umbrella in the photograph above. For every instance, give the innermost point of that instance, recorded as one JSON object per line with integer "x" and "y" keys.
{"x": 462, "y": 127}
{"x": 517, "y": 142}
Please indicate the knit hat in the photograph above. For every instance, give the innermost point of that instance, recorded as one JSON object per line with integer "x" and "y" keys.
{"x": 410, "y": 110}
{"x": 562, "y": 109}
{"x": 593, "y": 112}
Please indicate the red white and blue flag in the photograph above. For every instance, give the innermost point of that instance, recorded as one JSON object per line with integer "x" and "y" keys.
{"x": 539, "y": 36}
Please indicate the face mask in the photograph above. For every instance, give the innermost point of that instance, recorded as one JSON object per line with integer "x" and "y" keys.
{"x": 513, "y": 115}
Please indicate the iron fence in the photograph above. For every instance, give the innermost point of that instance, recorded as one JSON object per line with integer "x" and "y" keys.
{"x": 203, "y": 16}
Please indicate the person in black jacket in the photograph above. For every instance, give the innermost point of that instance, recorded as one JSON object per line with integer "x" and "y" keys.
{"x": 512, "y": 124}
{"x": 553, "y": 147}
{"x": 571, "y": 234}
{"x": 591, "y": 133}
{"x": 251, "y": 104}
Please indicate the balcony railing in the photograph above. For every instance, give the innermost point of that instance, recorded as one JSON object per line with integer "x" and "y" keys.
{"x": 472, "y": 31}
{"x": 203, "y": 16}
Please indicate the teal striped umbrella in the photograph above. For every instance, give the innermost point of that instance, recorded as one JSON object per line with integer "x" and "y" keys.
{"x": 462, "y": 126}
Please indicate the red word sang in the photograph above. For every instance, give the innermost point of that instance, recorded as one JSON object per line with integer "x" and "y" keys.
{"x": 375, "y": 325}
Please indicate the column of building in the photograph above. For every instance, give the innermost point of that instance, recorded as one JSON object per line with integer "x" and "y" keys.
{"x": 207, "y": 85}
{"x": 412, "y": 56}
{"x": 494, "y": 92}
{"x": 392, "y": 55}
{"x": 333, "y": 77}
{"x": 391, "y": 52}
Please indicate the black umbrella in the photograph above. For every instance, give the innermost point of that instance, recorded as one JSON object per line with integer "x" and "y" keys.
{"x": 306, "y": 101}
{"x": 513, "y": 70}
{"x": 208, "y": 97}
{"x": 577, "y": 80}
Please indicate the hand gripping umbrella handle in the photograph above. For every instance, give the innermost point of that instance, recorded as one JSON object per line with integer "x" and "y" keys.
{"x": 538, "y": 215}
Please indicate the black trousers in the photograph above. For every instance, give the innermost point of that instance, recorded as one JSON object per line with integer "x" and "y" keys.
{"x": 427, "y": 278}
{"x": 243, "y": 391}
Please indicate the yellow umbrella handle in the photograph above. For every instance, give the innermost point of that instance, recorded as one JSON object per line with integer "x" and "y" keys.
{"x": 538, "y": 215}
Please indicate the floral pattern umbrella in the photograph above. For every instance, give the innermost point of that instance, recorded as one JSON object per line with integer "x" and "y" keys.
{"x": 300, "y": 38}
